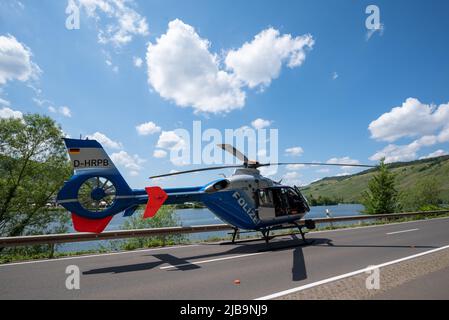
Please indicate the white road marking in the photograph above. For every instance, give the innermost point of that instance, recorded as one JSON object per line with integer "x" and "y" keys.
{"x": 347, "y": 275}
{"x": 355, "y": 228}
{"x": 409, "y": 230}
{"x": 379, "y": 225}
{"x": 97, "y": 255}
{"x": 211, "y": 260}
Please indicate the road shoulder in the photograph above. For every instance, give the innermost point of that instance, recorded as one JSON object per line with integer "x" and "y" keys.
{"x": 408, "y": 279}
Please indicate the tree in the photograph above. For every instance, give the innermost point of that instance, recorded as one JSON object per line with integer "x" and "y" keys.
{"x": 425, "y": 196}
{"x": 382, "y": 196}
{"x": 33, "y": 167}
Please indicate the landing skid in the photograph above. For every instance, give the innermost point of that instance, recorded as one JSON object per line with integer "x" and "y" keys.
{"x": 267, "y": 237}
{"x": 302, "y": 233}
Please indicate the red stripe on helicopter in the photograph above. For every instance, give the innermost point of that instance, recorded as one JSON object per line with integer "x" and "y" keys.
{"x": 82, "y": 224}
{"x": 156, "y": 198}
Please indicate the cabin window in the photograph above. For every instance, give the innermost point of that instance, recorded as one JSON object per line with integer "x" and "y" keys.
{"x": 265, "y": 198}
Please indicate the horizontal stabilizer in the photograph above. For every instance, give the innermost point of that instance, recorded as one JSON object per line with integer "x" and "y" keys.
{"x": 156, "y": 198}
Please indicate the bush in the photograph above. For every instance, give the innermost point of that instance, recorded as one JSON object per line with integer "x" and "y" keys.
{"x": 165, "y": 217}
{"x": 425, "y": 196}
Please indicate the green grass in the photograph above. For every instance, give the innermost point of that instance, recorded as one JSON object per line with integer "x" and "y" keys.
{"x": 350, "y": 188}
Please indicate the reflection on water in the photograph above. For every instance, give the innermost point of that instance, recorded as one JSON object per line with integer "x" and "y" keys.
{"x": 195, "y": 217}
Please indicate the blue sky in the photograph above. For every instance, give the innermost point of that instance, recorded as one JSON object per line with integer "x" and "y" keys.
{"x": 335, "y": 103}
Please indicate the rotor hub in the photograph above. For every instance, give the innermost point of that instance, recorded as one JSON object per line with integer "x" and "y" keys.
{"x": 97, "y": 194}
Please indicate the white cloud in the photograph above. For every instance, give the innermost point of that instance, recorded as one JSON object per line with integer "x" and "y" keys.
{"x": 169, "y": 140}
{"x": 429, "y": 123}
{"x": 65, "y": 111}
{"x": 292, "y": 178}
{"x": 109, "y": 61}
{"x": 344, "y": 160}
{"x": 116, "y": 20}
{"x": 334, "y": 75}
{"x": 437, "y": 153}
{"x": 133, "y": 173}
{"x": 412, "y": 119}
{"x": 183, "y": 70}
{"x": 291, "y": 175}
{"x": 105, "y": 141}
{"x": 268, "y": 171}
{"x": 20, "y": 4}
{"x": 40, "y": 101}
{"x": 443, "y": 136}
{"x": 395, "y": 153}
{"x": 293, "y": 167}
{"x": 15, "y": 61}
{"x": 158, "y": 153}
{"x": 4, "y": 103}
{"x": 370, "y": 32}
{"x": 147, "y": 128}
{"x": 294, "y": 151}
{"x": 132, "y": 163}
{"x": 178, "y": 147}
{"x": 244, "y": 130}
{"x": 261, "y": 123}
{"x": 6, "y": 113}
{"x": 137, "y": 61}
{"x": 260, "y": 61}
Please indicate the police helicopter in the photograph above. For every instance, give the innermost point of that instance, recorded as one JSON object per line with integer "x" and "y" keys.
{"x": 246, "y": 200}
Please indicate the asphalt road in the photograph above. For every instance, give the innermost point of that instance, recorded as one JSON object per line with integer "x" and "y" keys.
{"x": 209, "y": 271}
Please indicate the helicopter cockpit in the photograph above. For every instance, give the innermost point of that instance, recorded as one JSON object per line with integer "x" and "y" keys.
{"x": 279, "y": 201}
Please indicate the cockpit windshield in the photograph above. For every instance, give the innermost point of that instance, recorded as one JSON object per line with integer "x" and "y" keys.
{"x": 284, "y": 201}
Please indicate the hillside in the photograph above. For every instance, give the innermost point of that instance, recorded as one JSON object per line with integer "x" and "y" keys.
{"x": 349, "y": 188}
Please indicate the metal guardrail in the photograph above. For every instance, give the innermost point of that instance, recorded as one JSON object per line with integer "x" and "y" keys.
{"x": 134, "y": 233}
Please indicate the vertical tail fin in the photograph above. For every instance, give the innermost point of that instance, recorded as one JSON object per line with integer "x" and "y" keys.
{"x": 97, "y": 190}
{"x": 88, "y": 154}
{"x": 89, "y": 157}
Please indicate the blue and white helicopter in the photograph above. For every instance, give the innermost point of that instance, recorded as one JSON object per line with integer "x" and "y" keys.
{"x": 246, "y": 200}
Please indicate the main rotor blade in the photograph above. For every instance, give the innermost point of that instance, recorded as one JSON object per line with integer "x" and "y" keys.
{"x": 232, "y": 150}
{"x": 318, "y": 164}
{"x": 196, "y": 170}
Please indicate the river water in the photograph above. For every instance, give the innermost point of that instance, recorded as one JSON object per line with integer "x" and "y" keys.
{"x": 195, "y": 217}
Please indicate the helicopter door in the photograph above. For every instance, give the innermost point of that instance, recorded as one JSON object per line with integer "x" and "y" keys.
{"x": 266, "y": 208}
{"x": 281, "y": 202}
